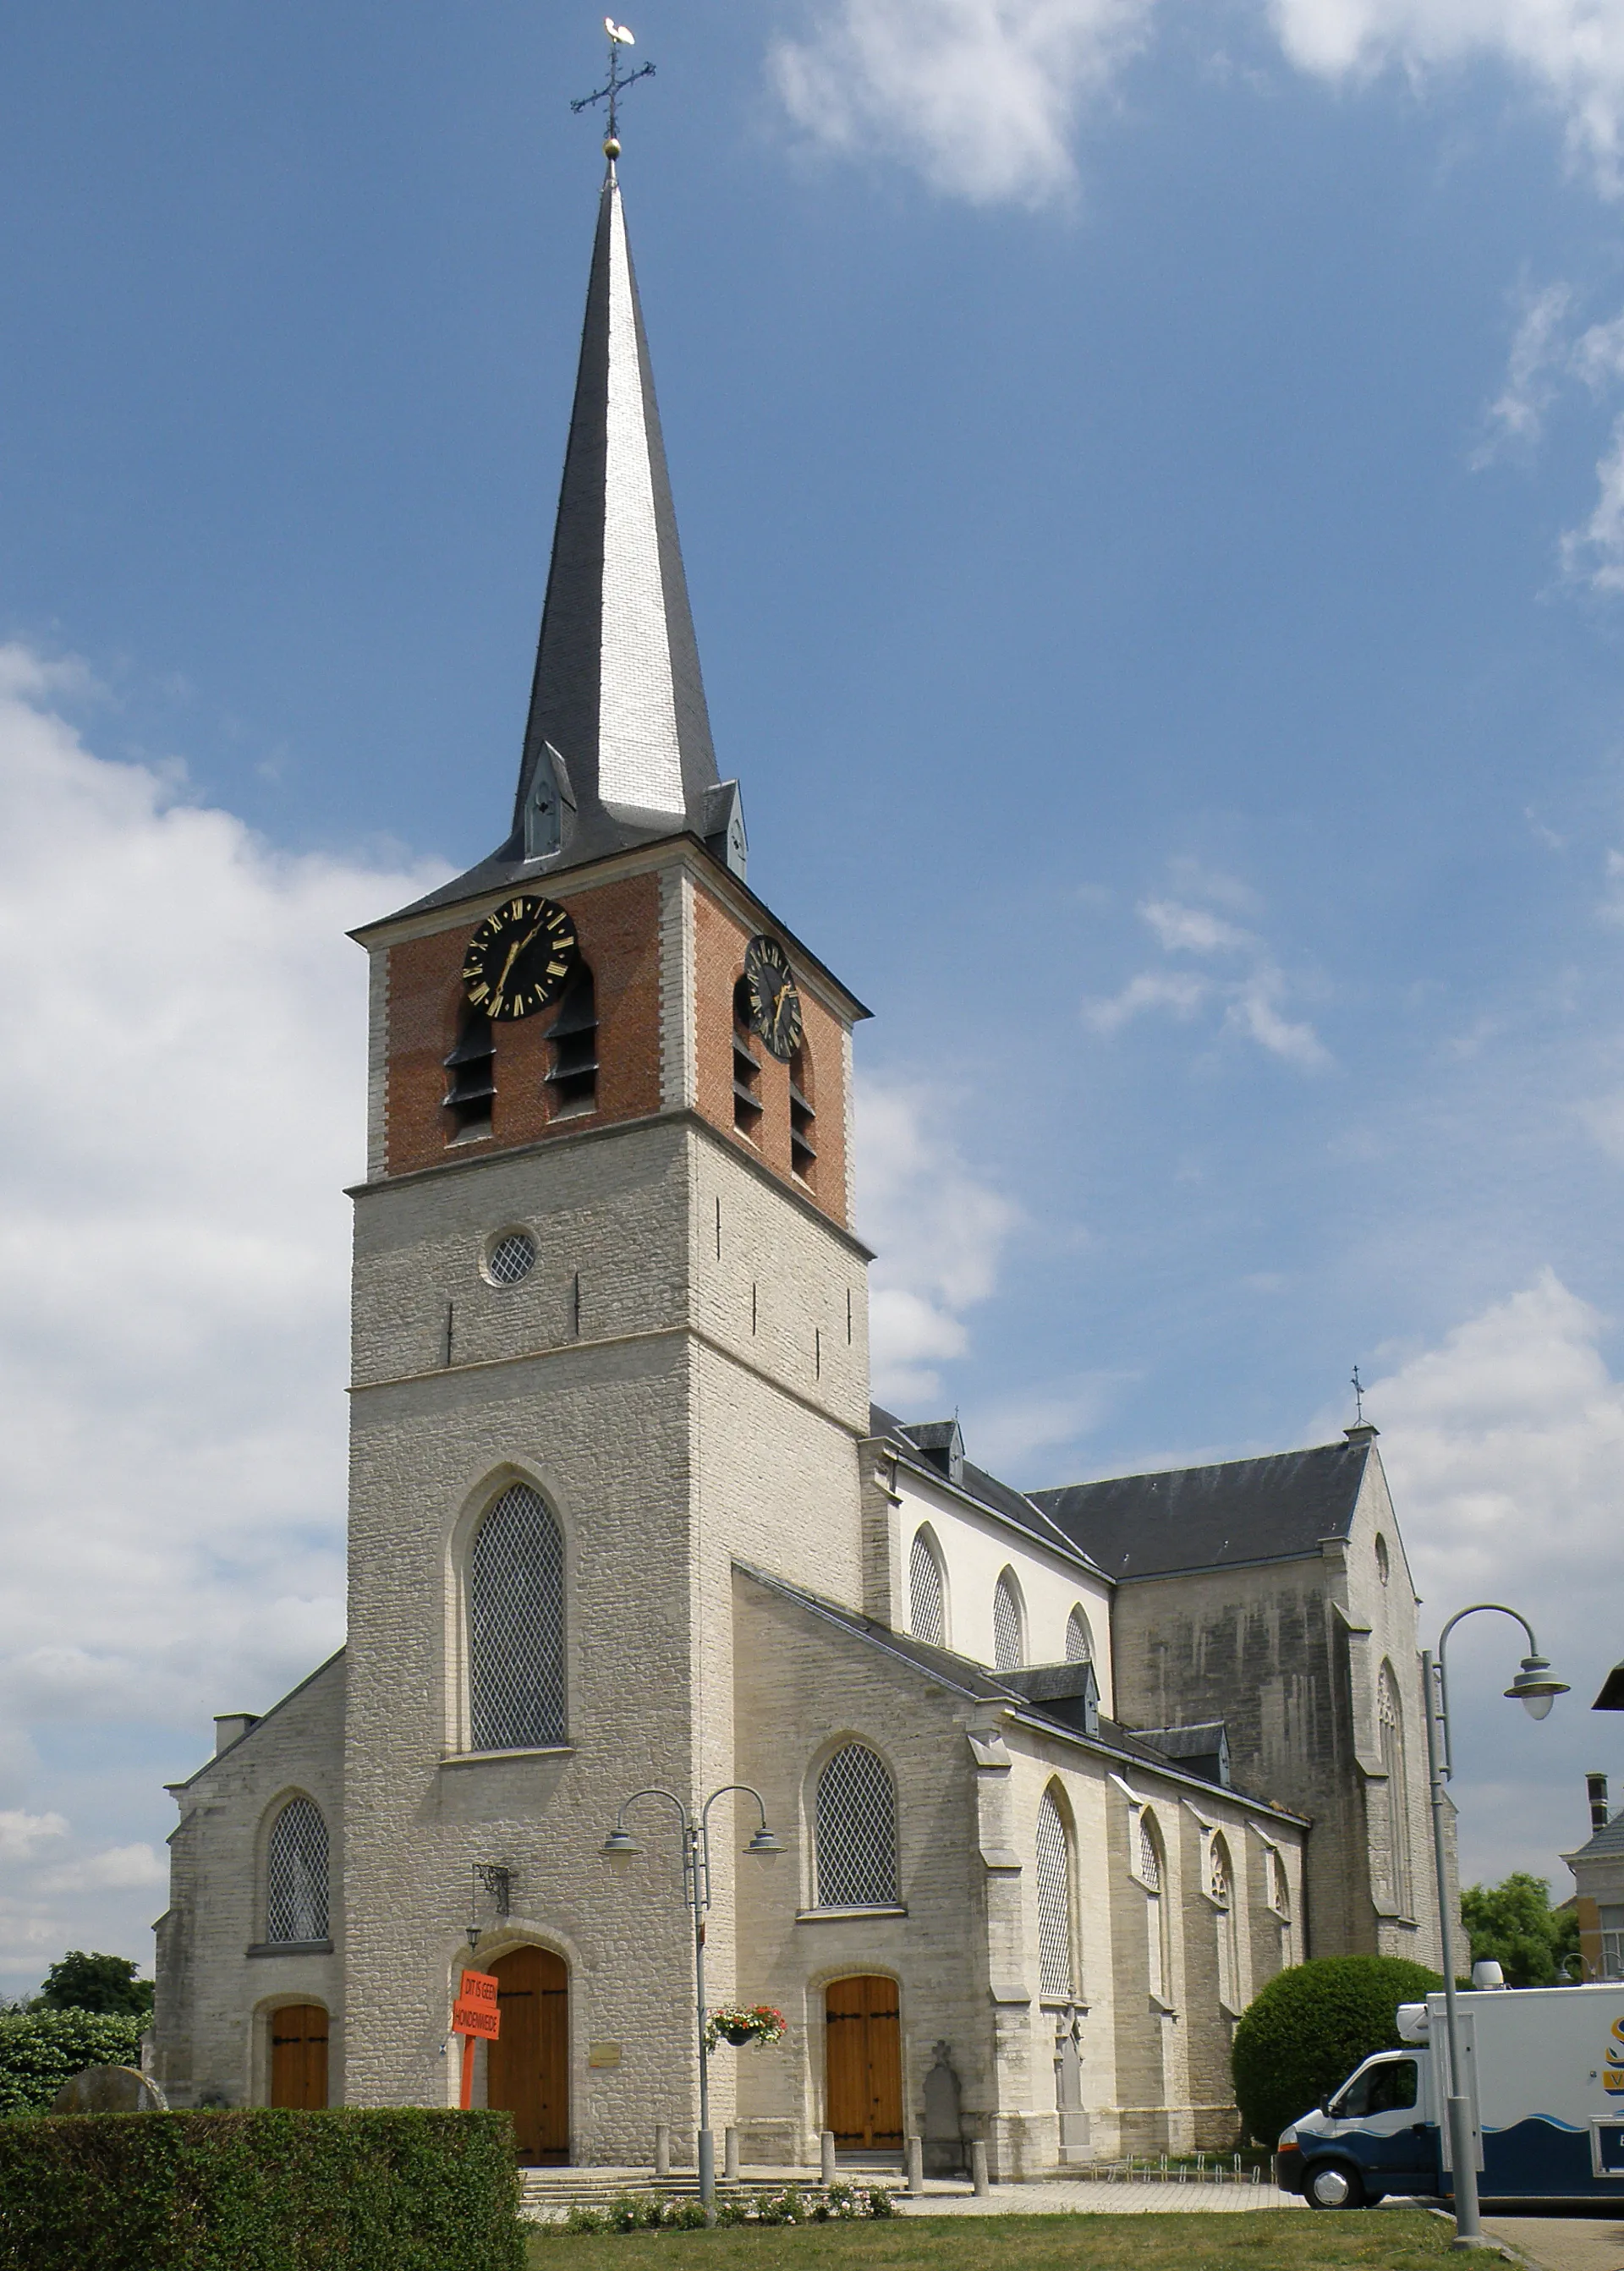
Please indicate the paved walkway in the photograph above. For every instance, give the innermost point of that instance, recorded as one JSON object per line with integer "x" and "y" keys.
{"x": 1563, "y": 2243}
{"x": 1083, "y": 2198}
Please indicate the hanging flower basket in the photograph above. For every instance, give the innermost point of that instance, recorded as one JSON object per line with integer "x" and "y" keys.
{"x": 732, "y": 2023}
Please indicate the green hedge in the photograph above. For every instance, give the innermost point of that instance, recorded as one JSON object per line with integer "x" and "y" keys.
{"x": 407, "y": 2190}
{"x": 1311, "y": 2026}
{"x": 40, "y": 2050}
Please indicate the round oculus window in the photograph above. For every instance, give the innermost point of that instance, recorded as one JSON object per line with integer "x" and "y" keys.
{"x": 512, "y": 1256}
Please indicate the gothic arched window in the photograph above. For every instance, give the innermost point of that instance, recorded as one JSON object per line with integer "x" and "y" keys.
{"x": 1390, "y": 1715}
{"x": 1079, "y": 1639}
{"x": 1008, "y": 1633}
{"x": 297, "y": 1873}
{"x": 1055, "y": 1983}
{"x": 856, "y": 1831}
{"x": 515, "y": 1626}
{"x": 1221, "y": 1885}
{"x": 926, "y": 1591}
{"x": 1151, "y": 1876}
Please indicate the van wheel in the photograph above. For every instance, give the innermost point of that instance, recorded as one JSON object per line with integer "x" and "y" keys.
{"x": 1334, "y": 2184}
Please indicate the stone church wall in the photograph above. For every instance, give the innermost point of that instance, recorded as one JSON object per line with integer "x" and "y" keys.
{"x": 211, "y": 2025}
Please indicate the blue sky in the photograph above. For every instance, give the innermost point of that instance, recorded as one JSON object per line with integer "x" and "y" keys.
{"x": 1151, "y": 495}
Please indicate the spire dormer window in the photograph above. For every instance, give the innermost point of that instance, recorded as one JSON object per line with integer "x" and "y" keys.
{"x": 471, "y": 1087}
{"x": 574, "y": 1039}
{"x": 802, "y": 1153}
{"x": 746, "y": 1066}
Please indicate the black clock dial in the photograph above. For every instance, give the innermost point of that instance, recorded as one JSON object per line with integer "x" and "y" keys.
{"x": 519, "y": 957}
{"x": 775, "y": 1006}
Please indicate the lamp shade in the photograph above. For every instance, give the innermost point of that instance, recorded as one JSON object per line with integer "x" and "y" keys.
{"x": 620, "y": 1845}
{"x": 764, "y": 1846}
{"x": 1534, "y": 1688}
{"x": 1612, "y": 1696}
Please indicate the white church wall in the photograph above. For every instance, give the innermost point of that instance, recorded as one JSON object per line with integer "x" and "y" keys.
{"x": 976, "y": 1548}
{"x": 220, "y": 1976}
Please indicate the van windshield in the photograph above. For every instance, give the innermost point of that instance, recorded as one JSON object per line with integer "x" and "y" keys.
{"x": 1387, "y": 2088}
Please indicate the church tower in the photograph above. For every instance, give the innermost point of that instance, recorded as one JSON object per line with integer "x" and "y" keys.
{"x": 609, "y": 1334}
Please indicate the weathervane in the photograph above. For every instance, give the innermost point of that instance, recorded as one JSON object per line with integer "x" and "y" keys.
{"x": 1358, "y": 1399}
{"x": 619, "y": 38}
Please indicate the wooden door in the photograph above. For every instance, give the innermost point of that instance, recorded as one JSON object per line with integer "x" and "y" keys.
{"x": 863, "y": 2064}
{"x": 299, "y": 2057}
{"x": 528, "y": 2071}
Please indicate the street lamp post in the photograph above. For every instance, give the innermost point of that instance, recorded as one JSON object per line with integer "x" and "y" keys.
{"x": 1535, "y": 1689}
{"x": 620, "y": 1845}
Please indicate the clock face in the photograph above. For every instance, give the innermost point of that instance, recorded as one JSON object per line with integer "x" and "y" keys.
{"x": 519, "y": 957}
{"x": 775, "y": 1006}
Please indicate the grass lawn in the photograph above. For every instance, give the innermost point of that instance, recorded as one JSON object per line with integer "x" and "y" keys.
{"x": 1264, "y": 2239}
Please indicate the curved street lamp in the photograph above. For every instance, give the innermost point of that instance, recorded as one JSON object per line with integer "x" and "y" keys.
{"x": 1536, "y": 1691}
{"x": 620, "y": 1845}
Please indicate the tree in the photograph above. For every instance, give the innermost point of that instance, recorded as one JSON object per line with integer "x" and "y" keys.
{"x": 106, "y": 1984}
{"x": 40, "y": 2050}
{"x": 1515, "y": 1926}
{"x": 1311, "y": 2026}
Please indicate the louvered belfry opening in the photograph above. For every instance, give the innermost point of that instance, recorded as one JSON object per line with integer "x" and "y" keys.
{"x": 927, "y": 1593}
{"x": 1055, "y": 1980}
{"x": 802, "y": 1152}
{"x": 296, "y": 1875}
{"x": 471, "y": 1085}
{"x": 515, "y": 1626}
{"x": 856, "y": 1830}
{"x": 573, "y": 1034}
{"x": 746, "y": 1066}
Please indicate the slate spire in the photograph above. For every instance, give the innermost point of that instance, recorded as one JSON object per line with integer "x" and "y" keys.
{"x": 617, "y": 691}
{"x": 617, "y": 745}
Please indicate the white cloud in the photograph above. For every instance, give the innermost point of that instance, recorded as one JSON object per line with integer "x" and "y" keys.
{"x": 183, "y": 1018}
{"x": 1538, "y": 353}
{"x": 1252, "y": 1001}
{"x": 1571, "y": 52}
{"x": 1594, "y": 553}
{"x": 1504, "y": 1446}
{"x": 21, "y": 1833}
{"x": 1151, "y": 989}
{"x": 982, "y": 96}
{"x": 938, "y": 1231}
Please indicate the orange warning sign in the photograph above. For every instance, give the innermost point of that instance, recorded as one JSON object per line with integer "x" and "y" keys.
{"x": 475, "y": 2011}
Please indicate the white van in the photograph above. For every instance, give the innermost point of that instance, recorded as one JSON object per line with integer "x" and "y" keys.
{"x": 1544, "y": 2076}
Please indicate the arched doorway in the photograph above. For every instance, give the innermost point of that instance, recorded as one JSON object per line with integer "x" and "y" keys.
{"x": 528, "y": 2074}
{"x": 299, "y": 2057}
{"x": 862, "y": 2065}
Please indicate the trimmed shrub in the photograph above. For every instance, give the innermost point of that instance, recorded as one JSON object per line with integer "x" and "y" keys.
{"x": 1311, "y": 2027}
{"x": 403, "y": 2189}
{"x": 40, "y": 2050}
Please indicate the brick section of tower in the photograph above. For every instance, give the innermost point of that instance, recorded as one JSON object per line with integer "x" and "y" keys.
{"x": 618, "y": 922}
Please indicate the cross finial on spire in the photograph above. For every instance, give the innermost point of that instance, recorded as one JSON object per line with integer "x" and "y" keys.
{"x": 1358, "y": 1399}
{"x": 616, "y": 87}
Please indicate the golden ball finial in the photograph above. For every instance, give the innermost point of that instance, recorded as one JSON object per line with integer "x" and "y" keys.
{"x": 611, "y": 147}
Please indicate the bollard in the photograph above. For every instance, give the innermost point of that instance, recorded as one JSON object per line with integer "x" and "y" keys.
{"x": 730, "y": 2156}
{"x": 662, "y": 2148}
{"x": 826, "y": 2159}
{"x": 916, "y": 2166}
{"x": 978, "y": 2168}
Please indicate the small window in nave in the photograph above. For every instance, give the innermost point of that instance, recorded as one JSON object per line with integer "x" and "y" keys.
{"x": 297, "y": 1873}
{"x": 856, "y": 1831}
{"x": 1079, "y": 1639}
{"x": 1008, "y": 1633}
{"x": 927, "y": 1592}
{"x": 1054, "y": 1922}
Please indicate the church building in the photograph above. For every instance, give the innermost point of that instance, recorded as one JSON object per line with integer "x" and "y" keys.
{"x": 1061, "y": 1777}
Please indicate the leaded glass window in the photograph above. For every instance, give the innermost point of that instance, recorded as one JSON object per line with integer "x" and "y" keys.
{"x": 515, "y": 1626}
{"x": 1008, "y": 1645}
{"x": 1220, "y": 1882}
{"x": 297, "y": 1873}
{"x": 856, "y": 1831}
{"x": 927, "y": 1594}
{"x": 1055, "y": 1980}
{"x": 1150, "y": 1857}
{"x": 1391, "y": 1728}
{"x": 1079, "y": 1640}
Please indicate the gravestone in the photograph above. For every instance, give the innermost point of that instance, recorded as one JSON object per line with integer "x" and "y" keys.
{"x": 109, "y": 2089}
{"x": 944, "y": 2136}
